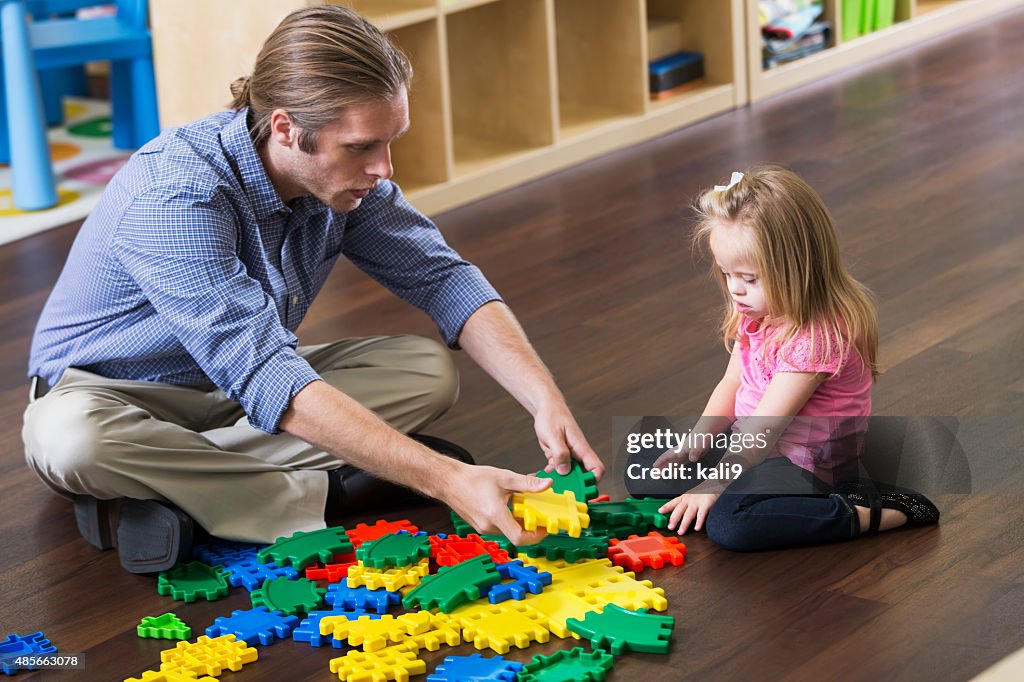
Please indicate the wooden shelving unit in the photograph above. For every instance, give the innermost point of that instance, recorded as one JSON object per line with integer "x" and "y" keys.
{"x": 916, "y": 20}
{"x": 504, "y": 90}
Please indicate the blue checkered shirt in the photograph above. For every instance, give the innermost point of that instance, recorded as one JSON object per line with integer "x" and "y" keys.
{"x": 192, "y": 270}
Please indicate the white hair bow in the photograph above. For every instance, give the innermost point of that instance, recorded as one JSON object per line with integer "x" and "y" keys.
{"x": 736, "y": 177}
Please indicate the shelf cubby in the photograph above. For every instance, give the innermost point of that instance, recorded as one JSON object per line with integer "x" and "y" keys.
{"x": 499, "y": 70}
{"x": 388, "y": 15}
{"x": 601, "y": 64}
{"x": 915, "y": 21}
{"x": 421, "y": 157}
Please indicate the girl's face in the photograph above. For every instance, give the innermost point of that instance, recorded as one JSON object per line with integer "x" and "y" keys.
{"x": 731, "y": 246}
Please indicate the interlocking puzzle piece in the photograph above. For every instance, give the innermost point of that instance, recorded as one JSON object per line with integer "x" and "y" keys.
{"x": 476, "y": 668}
{"x": 375, "y": 634}
{"x": 625, "y": 591}
{"x": 392, "y": 579}
{"x": 306, "y": 547}
{"x": 454, "y": 585}
{"x": 614, "y": 530}
{"x": 571, "y": 665}
{"x": 290, "y": 597}
{"x": 550, "y": 511}
{"x": 652, "y": 550}
{"x": 499, "y": 626}
{"x": 341, "y": 596}
{"x": 561, "y": 605}
{"x": 463, "y": 529}
{"x": 246, "y": 571}
{"x": 207, "y": 656}
{"x": 452, "y": 549}
{"x": 622, "y": 630}
{"x": 365, "y": 533}
{"x": 13, "y": 646}
{"x": 601, "y": 498}
{"x": 580, "y": 482}
{"x": 164, "y": 676}
{"x": 164, "y": 626}
{"x": 392, "y": 663}
{"x": 309, "y": 628}
{"x": 394, "y": 550}
{"x": 442, "y": 630}
{"x": 333, "y": 572}
{"x": 559, "y": 546}
{"x": 220, "y": 552}
{"x": 254, "y": 626}
{"x": 190, "y": 581}
{"x": 629, "y": 511}
{"x": 524, "y": 579}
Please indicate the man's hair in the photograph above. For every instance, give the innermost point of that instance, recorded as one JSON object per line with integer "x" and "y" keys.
{"x": 319, "y": 60}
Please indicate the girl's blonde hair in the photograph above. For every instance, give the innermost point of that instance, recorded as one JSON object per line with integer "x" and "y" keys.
{"x": 319, "y": 60}
{"x": 795, "y": 248}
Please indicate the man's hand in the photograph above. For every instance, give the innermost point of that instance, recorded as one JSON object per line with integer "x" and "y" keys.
{"x": 562, "y": 441}
{"x": 480, "y": 495}
{"x": 692, "y": 507}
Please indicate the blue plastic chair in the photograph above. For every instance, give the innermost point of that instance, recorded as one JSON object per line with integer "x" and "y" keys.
{"x": 124, "y": 40}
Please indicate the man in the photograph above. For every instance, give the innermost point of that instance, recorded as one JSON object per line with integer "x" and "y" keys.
{"x": 168, "y": 339}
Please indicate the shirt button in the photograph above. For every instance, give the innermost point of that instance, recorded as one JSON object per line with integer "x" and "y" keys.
{"x": 295, "y": 299}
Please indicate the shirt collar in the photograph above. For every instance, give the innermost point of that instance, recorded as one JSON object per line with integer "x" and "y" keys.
{"x": 239, "y": 148}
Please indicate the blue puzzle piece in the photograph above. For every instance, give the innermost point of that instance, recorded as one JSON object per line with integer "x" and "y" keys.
{"x": 475, "y": 668}
{"x": 524, "y": 579}
{"x": 222, "y": 551}
{"x": 309, "y": 628}
{"x": 342, "y": 597}
{"x": 249, "y": 573}
{"x": 29, "y": 645}
{"x": 255, "y": 626}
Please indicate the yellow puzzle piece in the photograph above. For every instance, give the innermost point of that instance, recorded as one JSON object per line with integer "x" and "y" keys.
{"x": 207, "y": 656}
{"x": 392, "y": 579}
{"x": 551, "y": 511}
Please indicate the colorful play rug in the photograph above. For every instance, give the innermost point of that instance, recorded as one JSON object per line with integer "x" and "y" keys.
{"x": 84, "y": 160}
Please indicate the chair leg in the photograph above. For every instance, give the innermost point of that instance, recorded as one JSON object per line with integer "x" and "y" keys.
{"x": 31, "y": 173}
{"x": 133, "y": 94}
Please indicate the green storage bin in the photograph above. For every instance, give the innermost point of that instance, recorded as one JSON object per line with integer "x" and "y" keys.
{"x": 867, "y": 19}
{"x": 885, "y": 13}
{"x": 853, "y": 18}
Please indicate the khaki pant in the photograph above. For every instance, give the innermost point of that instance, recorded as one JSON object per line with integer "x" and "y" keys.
{"x": 192, "y": 446}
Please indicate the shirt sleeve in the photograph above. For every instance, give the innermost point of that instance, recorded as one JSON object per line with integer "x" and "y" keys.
{"x": 180, "y": 250}
{"x": 812, "y": 353}
{"x": 403, "y": 250}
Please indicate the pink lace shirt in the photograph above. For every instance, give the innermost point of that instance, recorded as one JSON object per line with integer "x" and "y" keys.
{"x": 828, "y": 433}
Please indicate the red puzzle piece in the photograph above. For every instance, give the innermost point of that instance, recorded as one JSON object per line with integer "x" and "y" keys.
{"x": 601, "y": 498}
{"x": 364, "y": 533}
{"x": 334, "y": 572}
{"x": 453, "y": 549}
{"x": 653, "y": 549}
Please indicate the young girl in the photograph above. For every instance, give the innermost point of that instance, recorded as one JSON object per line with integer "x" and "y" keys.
{"x": 797, "y": 392}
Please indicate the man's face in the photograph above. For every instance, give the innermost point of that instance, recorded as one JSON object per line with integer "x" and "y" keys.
{"x": 353, "y": 154}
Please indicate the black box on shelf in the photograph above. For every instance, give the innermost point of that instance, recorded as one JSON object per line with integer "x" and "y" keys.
{"x": 674, "y": 70}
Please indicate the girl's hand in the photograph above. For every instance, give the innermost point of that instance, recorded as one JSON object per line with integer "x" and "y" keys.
{"x": 691, "y": 507}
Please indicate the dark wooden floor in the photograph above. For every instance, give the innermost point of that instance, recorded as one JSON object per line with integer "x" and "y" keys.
{"x": 920, "y": 156}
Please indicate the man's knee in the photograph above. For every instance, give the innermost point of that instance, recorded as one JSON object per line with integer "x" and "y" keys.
{"x": 64, "y": 437}
{"x": 434, "y": 364}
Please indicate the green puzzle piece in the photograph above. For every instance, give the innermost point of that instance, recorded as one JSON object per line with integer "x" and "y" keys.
{"x": 622, "y": 630}
{"x": 455, "y": 585}
{"x": 394, "y": 550}
{"x": 165, "y": 626}
{"x": 582, "y": 484}
{"x": 190, "y": 581}
{"x": 304, "y": 548}
{"x": 289, "y": 596}
{"x": 561, "y": 546}
{"x": 630, "y": 511}
{"x": 568, "y": 665}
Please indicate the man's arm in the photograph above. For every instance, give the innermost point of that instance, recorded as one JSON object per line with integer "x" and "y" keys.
{"x": 327, "y": 418}
{"x": 494, "y": 339}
